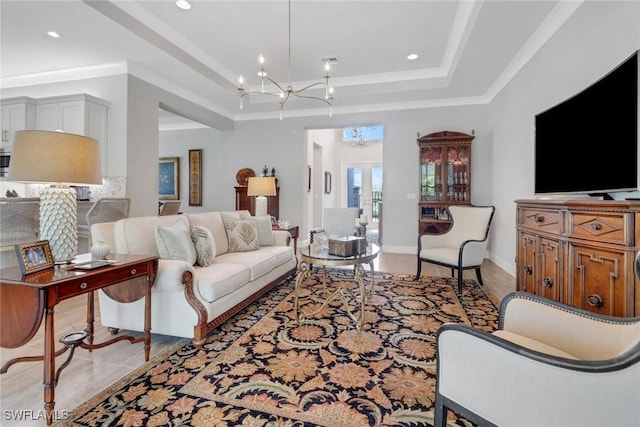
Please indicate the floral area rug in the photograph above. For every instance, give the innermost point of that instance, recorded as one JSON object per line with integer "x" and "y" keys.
{"x": 262, "y": 368}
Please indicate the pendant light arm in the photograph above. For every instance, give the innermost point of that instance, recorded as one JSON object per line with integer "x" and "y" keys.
{"x": 285, "y": 92}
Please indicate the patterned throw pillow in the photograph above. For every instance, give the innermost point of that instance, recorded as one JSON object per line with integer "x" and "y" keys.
{"x": 263, "y": 225}
{"x": 242, "y": 236}
{"x": 204, "y": 244}
{"x": 174, "y": 242}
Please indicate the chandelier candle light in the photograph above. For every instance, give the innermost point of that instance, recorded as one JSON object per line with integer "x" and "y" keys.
{"x": 285, "y": 93}
{"x": 261, "y": 187}
{"x": 59, "y": 159}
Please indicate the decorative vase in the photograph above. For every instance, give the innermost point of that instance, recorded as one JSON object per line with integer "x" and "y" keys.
{"x": 100, "y": 250}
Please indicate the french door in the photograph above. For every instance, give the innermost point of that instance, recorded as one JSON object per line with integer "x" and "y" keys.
{"x": 363, "y": 183}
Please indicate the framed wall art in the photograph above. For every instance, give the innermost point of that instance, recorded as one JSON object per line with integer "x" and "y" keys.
{"x": 34, "y": 256}
{"x": 169, "y": 178}
{"x": 195, "y": 177}
{"x": 327, "y": 182}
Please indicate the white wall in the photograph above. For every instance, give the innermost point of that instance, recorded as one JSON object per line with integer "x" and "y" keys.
{"x": 283, "y": 143}
{"x": 178, "y": 144}
{"x": 598, "y": 37}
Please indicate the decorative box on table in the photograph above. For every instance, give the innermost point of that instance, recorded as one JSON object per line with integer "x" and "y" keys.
{"x": 347, "y": 246}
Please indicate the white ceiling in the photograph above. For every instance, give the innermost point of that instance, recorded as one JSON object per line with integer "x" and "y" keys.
{"x": 468, "y": 50}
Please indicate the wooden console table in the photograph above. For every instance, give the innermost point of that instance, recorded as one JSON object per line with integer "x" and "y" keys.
{"x": 25, "y": 300}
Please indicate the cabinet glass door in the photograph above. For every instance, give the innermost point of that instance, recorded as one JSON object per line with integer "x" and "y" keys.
{"x": 457, "y": 173}
{"x": 430, "y": 173}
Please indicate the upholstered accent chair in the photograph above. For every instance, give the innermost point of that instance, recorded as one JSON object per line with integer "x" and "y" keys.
{"x": 548, "y": 364}
{"x": 339, "y": 222}
{"x": 461, "y": 247}
{"x": 170, "y": 207}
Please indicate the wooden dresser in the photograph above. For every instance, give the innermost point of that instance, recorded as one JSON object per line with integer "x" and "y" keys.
{"x": 244, "y": 202}
{"x": 580, "y": 252}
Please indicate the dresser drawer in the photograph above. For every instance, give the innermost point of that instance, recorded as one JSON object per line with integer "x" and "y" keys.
{"x": 615, "y": 227}
{"x": 541, "y": 220}
{"x": 92, "y": 281}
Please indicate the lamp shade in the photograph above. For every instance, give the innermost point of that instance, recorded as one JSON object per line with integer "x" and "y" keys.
{"x": 261, "y": 186}
{"x": 54, "y": 157}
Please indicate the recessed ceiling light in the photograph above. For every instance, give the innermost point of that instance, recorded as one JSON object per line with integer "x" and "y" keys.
{"x": 183, "y": 4}
{"x": 412, "y": 56}
{"x": 53, "y": 34}
{"x": 262, "y": 73}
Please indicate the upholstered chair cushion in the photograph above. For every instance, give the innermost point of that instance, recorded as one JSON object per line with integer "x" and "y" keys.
{"x": 204, "y": 245}
{"x": 174, "y": 242}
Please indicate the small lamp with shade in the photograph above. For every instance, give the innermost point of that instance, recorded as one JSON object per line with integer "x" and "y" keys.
{"x": 261, "y": 187}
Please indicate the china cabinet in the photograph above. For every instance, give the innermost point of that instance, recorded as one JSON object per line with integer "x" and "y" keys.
{"x": 445, "y": 177}
{"x": 580, "y": 252}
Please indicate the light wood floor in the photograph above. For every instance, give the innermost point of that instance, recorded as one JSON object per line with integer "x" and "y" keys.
{"x": 21, "y": 391}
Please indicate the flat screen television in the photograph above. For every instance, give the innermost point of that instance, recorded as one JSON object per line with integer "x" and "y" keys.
{"x": 588, "y": 144}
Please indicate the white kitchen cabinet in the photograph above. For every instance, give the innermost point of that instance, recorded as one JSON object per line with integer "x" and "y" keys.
{"x": 80, "y": 114}
{"x": 17, "y": 114}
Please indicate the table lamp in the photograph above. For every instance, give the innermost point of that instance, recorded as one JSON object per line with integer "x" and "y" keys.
{"x": 60, "y": 159}
{"x": 261, "y": 187}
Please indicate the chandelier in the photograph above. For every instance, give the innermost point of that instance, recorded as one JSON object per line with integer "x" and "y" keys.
{"x": 286, "y": 92}
{"x": 358, "y": 138}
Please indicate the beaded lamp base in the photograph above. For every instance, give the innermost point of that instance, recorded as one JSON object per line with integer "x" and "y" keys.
{"x": 59, "y": 222}
{"x": 261, "y": 206}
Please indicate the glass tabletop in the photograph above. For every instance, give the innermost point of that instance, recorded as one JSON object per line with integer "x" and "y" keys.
{"x": 318, "y": 253}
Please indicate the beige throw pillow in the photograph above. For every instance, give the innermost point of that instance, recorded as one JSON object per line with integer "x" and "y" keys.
{"x": 204, "y": 244}
{"x": 242, "y": 236}
{"x": 174, "y": 242}
{"x": 263, "y": 225}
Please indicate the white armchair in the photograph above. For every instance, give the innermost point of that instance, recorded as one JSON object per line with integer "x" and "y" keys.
{"x": 337, "y": 222}
{"x": 548, "y": 364}
{"x": 461, "y": 247}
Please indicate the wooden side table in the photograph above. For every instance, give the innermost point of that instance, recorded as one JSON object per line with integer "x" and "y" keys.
{"x": 26, "y": 300}
{"x": 293, "y": 230}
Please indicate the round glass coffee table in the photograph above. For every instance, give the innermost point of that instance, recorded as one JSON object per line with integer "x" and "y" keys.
{"x": 317, "y": 254}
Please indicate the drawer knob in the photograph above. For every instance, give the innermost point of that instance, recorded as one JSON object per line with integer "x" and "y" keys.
{"x": 83, "y": 285}
{"x": 539, "y": 219}
{"x": 133, "y": 271}
{"x": 547, "y": 282}
{"x": 528, "y": 270}
{"x": 595, "y": 300}
{"x": 595, "y": 226}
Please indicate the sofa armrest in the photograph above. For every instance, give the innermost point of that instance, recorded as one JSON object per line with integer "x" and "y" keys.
{"x": 281, "y": 238}
{"x": 170, "y": 272}
{"x": 588, "y": 335}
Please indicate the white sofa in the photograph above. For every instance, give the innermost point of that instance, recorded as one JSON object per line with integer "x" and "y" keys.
{"x": 190, "y": 300}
